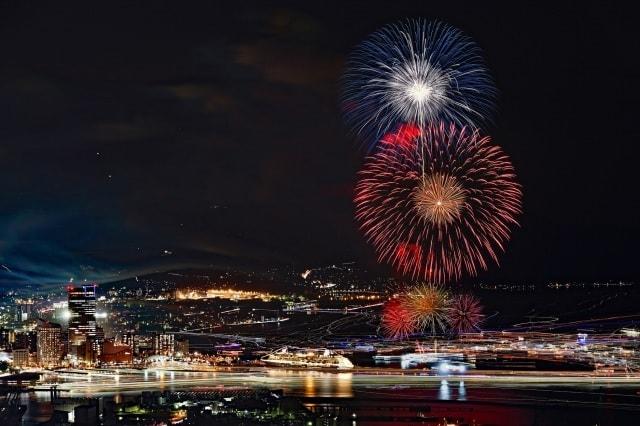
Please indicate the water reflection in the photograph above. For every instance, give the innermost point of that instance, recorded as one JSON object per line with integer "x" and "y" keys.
{"x": 462, "y": 392}
{"x": 309, "y": 386}
{"x": 314, "y": 383}
{"x": 375, "y": 395}
{"x": 327, "y": 384}
{"x": 443, "y": 392}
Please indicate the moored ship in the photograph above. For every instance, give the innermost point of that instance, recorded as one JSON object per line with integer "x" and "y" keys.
{"x": 307, "y": 358}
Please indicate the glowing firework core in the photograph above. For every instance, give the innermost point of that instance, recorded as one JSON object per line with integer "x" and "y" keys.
{"x": 439, "y": 198}
{"x": 420, "y": 92}
{"x": 417, "y": 91}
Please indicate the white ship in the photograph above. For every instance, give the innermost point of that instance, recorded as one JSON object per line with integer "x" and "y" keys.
{"x": 309, "y": 358}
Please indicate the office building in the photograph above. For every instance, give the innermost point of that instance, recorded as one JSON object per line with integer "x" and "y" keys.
{"x": 82, "y": 309}
{"x": 49, "y": 344}
{"x": 21, "y": 358}
{"x": 164, "y": 344}
{"x": 23, "y": 310}
{"x": 26, "y": 340}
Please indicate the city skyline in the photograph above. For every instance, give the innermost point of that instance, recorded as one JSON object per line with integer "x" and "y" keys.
{"x": 319, "y": 213}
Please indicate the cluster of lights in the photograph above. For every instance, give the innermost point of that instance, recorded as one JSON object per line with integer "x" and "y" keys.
{"x": 229, "y": 294}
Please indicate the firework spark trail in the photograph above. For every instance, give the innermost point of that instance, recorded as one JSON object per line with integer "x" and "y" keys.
{"x": 465, "y": 314}
{"x": 416, "y": 71}
{"x": 437, "y": 203}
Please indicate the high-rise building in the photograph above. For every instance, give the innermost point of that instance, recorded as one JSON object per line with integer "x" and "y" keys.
{"x": 26, "y": 339}
{"x": 96, "y": 343}
{"x": 21, "y": 358}
{"x": 49, "y": 346}
{"x": 131, "y": 340}
{"x": 82, "y": 309}
{"x": 7, "y": 337}
{"x": 23, "y": 309}
{"x": 164, "y": 344}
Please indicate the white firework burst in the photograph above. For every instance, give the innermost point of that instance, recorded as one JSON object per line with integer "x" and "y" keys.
{"x": 418, "y": 72}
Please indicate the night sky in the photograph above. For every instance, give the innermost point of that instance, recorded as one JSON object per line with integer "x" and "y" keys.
{"x": 158, "y": 136}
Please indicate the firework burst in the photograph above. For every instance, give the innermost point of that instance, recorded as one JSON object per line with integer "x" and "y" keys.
{"x": 437, "y": 203}
{"x": 465, "y": 313}
{"x": 416, "y": 71}
{"x": 396, "y": 321}
{"x": 428, "y": 306}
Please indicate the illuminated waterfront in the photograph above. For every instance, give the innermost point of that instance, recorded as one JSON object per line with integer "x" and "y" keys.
{"x": 319, "y": 383}
{"x": 224, "y": 294}
{"x": 369, "y": 394}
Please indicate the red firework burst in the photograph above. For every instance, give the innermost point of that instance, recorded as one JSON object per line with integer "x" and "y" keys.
{"x": 396, "y": 321}
{"x": 440, "y": 205}
{"x": 465, "y": 314}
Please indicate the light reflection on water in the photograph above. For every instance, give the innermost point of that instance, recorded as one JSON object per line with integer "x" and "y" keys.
{"x": 417, "y": 389}
{"x": 306, "y": 383}
{"x": 314, "y": 383}
{"x": 462, "y": 392}
{"x": 444, "y": 393}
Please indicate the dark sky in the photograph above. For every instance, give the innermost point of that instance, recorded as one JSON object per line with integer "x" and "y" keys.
{"x": 213, "y": 131}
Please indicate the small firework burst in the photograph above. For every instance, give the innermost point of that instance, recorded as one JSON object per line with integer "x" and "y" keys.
{"x": 428, "y": 306}
{"x": 465, "y": 314}
{"x": 439, "y": 198}
{"x": 396, "y": 321}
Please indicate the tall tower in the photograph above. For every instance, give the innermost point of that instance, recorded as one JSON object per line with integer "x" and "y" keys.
{"x": 49, "y": 343}
{"x": 82, "y": 306}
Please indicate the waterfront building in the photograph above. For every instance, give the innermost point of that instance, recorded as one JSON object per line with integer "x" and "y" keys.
{"x": 164, "y": 344}
{"x": 116, "y": 353}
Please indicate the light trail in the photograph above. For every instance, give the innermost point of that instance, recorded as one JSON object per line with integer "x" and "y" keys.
{"x": 294, "y": 381}
{"x": 224, "y": 336}
{"x": 573, "y": 323}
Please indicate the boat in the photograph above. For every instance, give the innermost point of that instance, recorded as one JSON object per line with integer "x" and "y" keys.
{"x": 307, "y": 358}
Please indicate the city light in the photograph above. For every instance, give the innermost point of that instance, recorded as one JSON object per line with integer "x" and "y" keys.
{"x": 229, "y": 294}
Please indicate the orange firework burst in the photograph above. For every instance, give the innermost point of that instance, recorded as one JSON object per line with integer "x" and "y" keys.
{"x": 439, "y": 198}
{"x": 437, "y": 203}
{"x": 428, "y": 305}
